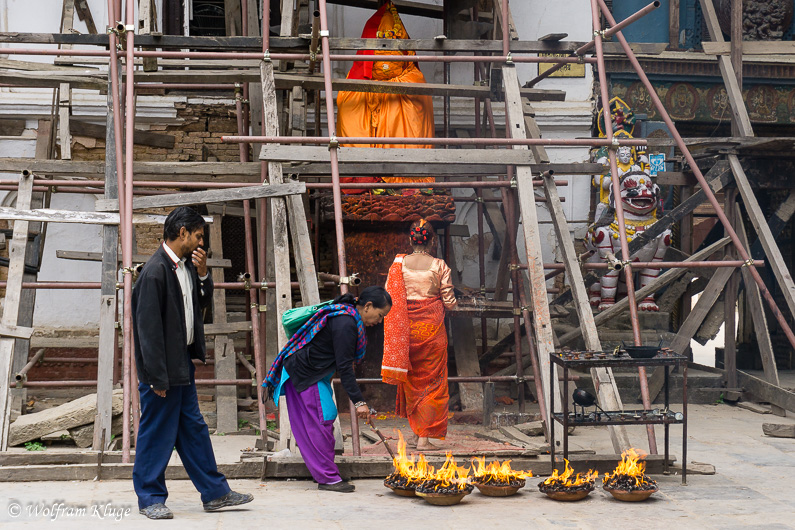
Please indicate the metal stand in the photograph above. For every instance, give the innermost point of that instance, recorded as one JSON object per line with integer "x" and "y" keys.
{"x": 589, "y": 360}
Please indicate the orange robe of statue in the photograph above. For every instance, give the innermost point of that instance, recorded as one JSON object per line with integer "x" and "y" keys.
{"x": 371, "y": 114}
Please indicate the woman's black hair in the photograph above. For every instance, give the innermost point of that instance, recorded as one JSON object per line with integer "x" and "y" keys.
{"x": 179, "y": 217}
{"x": 421, "y": 233}
{"x": 375, "y": 294}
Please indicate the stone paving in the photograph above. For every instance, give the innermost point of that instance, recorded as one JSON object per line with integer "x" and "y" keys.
{"x": 751, "y": 489}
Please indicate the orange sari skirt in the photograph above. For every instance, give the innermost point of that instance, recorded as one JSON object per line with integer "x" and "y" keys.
{"x": 424, "y": 397}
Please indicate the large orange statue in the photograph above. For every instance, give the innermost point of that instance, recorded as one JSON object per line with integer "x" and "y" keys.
{"x": 385, "y": 115}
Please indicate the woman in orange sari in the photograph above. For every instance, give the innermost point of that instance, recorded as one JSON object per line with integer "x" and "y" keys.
{"x": 415, "y": 338}
{"x": 370, "y": 114}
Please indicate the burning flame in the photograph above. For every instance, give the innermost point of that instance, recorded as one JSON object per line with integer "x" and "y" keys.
{"x": 631, "y": 467}
{"x": 569, "y": 480}
{"x": 449, "y": 475}
{"x": 413, "y": 472}
{"x": 496, "y": 472}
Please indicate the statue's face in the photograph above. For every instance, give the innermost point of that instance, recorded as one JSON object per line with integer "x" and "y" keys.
{"x": 624, "y": 154}
{"x": 639, "y": 193}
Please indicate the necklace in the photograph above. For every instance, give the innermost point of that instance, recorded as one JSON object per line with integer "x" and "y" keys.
{"x": 420, "y": 252}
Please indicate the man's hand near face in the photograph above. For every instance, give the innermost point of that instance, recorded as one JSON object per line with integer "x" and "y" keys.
{"x": 199, "y": 257}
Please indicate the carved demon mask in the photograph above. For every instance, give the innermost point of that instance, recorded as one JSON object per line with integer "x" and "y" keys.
{"x": 639, "y": 194}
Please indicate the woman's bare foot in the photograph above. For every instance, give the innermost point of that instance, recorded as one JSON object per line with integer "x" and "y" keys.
{"x": 412, "y": 441}
{"x": 423, "y": 444}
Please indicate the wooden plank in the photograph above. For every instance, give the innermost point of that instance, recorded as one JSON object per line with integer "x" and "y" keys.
{"x": 278, "y": 227}
{"x": 775, "y": 260}
{"x": 533, "y": 131}
{"x": 47, "y": 79}
{"x": 673, "y": 24}
{"x": 708, "y": 297}
{"x": 751, "y": 48}
{"x": 137, "y": 258}
{"x": 653, "y": 286}
{"x": 250, "y": 171}
{"x": 16, "y": 270}
{"x": 776, "y": 223}
{"x": 757, "y": 309}
{"x": 225, "y": 328}
{"x": 367, "y": 155}
{"x": 33, "y": 255}
{"x": 764, "y": 391}
{"x": 224, "y": 348}
{"x": 67, "y": 216}
{"x": 299, "y": 44}
{"x": 232, "y": 18}
{"x": 19, "y": 332}
{"x": 287, "y": 81}
{"x": 739, "y": 113}
{"x": 67, "y": 20}
{"x": 64, "y": 111}
{"x": 206, "y": 197}
{"x": 778, "y": 430}
{"x": 528, "y": 210}
{"x": 465, "y": 351}
{"x": 93, "y": 130}
{"x": 604, "y": 382}
{"x": 84, "y": 14}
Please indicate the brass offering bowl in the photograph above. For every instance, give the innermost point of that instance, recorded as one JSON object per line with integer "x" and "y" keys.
{"x": 443, "y": 499}
{"x": 499, "y": 490}
{"x": 631, "y": 495}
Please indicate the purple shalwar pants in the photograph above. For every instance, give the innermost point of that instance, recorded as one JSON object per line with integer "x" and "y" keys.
{"x": 314, "y": 435}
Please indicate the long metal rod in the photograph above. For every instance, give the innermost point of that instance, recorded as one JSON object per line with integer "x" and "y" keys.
{"x": 87, "y": 185}
{"x": 126, "y": 229}
{"x": 700, "y": 177}
{"x": 589, "y": 46}
{"x": 247, "y": 382}
{"x": 22, "y": 374}
{"x": 619, "y": 209}
{"x": 335, "y": 180}
{"x": 332, "y": 139}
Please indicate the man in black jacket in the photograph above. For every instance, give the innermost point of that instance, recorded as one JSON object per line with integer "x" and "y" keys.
{"x": 167, "y": 304}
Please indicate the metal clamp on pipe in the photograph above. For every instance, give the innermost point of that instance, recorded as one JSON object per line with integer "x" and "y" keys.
{"x": 613, "y": 262}
{"x": 333, "y": 143}
{"x": 266, "y": 56}
{"x": 245, "y": 277}
{"x": 263, "y": 285}
{"x": 509, "y": 59}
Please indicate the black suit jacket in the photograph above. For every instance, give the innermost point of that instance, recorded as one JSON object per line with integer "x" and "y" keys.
{"x": 162, "y": 354}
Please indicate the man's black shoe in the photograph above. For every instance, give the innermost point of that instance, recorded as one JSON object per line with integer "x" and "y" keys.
{"x": 157, "y": 511}
{"x": 232, "y": 498}
{"x": 341, "y": 487}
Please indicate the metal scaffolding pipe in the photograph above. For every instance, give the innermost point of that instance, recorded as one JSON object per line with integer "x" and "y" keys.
{"x": 92, "y": 383}
{"x": 585, "y": 48}
{"x": 334, "y": 141}
{"x": 186, "y": 86}
{"x": 95, "y": 186}
{"x": 658, "y": 265}
{"x": 342, "y": 266}
{"x": 619, "y": 208}
{"x": 727, "y": 226}
{"x": 22, "y": 374}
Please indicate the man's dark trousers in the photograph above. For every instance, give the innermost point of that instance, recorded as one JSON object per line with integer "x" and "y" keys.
{"x": 166, "y": 423}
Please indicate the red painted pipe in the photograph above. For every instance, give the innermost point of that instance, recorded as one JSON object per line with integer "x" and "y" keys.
{"x": 608, "y": 33}
{"x": 324, "y": 140}
{"x": 700, "y": 177}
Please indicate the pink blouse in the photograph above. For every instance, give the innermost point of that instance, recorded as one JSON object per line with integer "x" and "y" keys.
{"x": 430, "y": 283}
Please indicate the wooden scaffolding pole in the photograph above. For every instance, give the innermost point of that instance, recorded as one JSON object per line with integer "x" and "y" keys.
{"x": 16, "y": 270}
{"x": 535, "y": 262}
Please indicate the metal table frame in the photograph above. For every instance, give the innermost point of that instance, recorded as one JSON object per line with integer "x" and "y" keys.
{"x": 667, "y": 360}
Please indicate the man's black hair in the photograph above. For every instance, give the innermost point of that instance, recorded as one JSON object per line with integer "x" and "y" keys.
{"x": 179, "y": 217}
